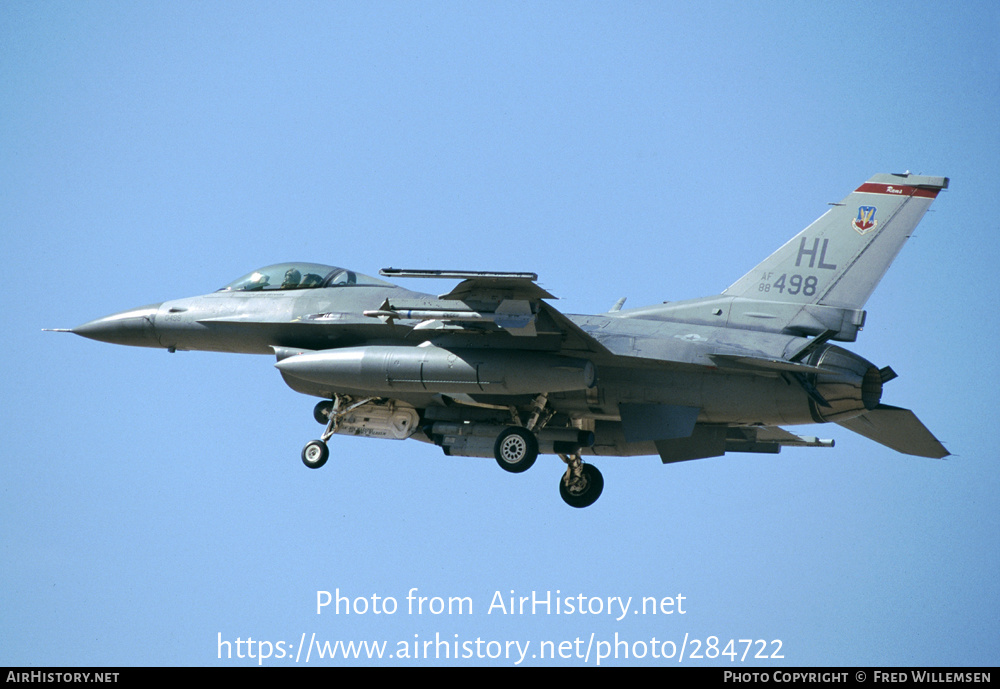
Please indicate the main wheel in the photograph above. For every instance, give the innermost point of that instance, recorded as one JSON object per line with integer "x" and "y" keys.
{"x": 315, "y": 454}
{"x": 516, "y": 449}
{"x": 584, "y": 491}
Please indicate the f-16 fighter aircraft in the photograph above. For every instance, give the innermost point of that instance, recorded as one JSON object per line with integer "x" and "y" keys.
{"x": 490, "y": 369}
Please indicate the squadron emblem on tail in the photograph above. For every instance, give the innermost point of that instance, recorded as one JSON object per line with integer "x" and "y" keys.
{"x": 865, "y": 221}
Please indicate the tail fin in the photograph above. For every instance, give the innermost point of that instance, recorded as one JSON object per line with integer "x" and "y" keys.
{"x": 840, "y": 259}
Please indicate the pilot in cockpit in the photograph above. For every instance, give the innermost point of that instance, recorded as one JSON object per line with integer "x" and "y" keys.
{"x": 292, "y": 278}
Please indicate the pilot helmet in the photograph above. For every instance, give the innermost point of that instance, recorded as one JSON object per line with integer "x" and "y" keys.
{"x": 292, "y": 278}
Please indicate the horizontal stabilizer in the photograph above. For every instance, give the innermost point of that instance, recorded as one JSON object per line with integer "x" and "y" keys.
{"x": 899, "y": 429}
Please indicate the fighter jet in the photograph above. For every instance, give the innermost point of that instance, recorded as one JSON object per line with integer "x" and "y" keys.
{"x": 491, "y": 369}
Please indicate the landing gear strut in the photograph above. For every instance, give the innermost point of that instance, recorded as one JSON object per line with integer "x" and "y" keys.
{"x": 316, "y": 452}
{"x": 516, "y": 448}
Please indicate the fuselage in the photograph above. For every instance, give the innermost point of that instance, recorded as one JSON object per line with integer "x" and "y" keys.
{"x": 647, "y": 361}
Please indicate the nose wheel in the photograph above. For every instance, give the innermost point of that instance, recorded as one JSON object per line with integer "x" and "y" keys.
{"x": 315, "y": 454}
{"x": 329, "y": 413}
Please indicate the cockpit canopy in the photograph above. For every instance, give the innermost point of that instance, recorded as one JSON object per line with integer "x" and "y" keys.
{"x": 288, "y": 276}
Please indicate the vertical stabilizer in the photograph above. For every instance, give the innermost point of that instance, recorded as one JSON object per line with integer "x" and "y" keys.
{"x": 839, "y": 259}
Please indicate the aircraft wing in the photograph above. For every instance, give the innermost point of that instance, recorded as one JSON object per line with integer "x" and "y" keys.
{"x": 511, "y": 302}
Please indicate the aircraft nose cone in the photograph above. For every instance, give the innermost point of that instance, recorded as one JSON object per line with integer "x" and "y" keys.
{"x": 133, "y": 327}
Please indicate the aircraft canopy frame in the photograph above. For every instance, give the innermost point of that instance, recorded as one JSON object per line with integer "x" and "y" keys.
{"x": 298, "y": 275}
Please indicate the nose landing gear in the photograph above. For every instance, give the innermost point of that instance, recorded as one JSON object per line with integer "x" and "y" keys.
{"x": 316, "y": 452}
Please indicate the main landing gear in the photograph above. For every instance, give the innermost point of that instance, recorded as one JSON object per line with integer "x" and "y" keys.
{"x": 582, "y": 484}
{"x": 516, "y": 450}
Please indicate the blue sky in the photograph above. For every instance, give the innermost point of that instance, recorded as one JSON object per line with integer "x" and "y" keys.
{"x": 153, "y": 502}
